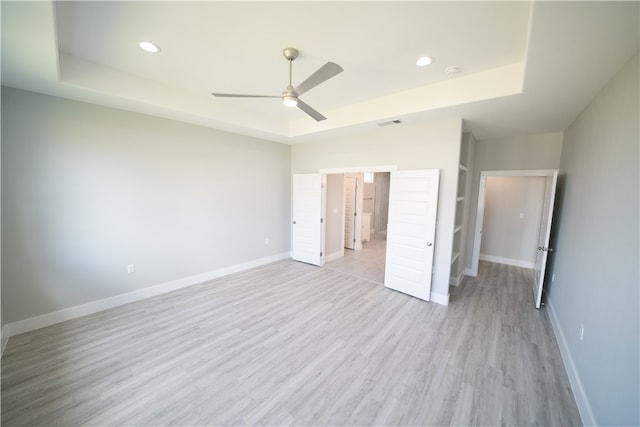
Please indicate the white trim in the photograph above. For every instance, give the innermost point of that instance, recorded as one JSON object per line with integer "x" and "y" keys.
{"x": 70, "y": 313}
{"x": 508, "y": 261}
{"x": 334, "y": 256}
{"x": 455, "y": 281}
{"x": 584, "y": 407}
{"x": 359, "y": 169}
{"x": 524, "y": 172}
{"x": 439, "y": 298}
{"x": 5, "y": 338}
{"x": 477, "y": 239}
{"x": 467, "y": 272}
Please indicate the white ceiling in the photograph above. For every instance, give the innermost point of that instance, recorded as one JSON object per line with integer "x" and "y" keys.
{"x": 525, "y": 67}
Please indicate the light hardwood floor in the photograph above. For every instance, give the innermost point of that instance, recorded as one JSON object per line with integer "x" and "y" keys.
{"x": 367, "y": 263}
{"x": 290, "y": 343}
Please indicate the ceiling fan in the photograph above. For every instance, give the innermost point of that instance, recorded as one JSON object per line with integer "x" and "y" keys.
{"x": 290, "y": 95}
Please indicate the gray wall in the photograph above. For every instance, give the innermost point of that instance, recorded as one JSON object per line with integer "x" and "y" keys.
{"x": 87, "y": 190}
{"x": 381, "y": 206}
{"x": 505, "y": 234}
{"x": 538, "y": 151}
{"x": 424, "y": 146}
{"x": 368, "y": 202}
{"x": 596, "y": 258}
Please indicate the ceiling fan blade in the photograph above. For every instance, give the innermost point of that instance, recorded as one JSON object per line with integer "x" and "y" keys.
{"x": 237, "y": 95}
{"x": 310, "y": 111}
{"x": 323, "y": 74}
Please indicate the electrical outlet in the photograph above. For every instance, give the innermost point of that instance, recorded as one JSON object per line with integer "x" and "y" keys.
{"x": 581, "y": 331}
{"x": 131, "y": 268}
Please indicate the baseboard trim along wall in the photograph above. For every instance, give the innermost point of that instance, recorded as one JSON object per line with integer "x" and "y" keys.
{"x": 576, "y": 384}
{"x": 439, "y": 298}
{"x": 456, "y": 281}
{"x": 33, "y": 323}
{"x": 334, "y": 256}
{"x": 507, "y": 261}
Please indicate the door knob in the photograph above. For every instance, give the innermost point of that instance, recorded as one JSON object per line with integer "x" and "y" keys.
{"x": 429, "y": 243}
{"x": 294, "y": 222}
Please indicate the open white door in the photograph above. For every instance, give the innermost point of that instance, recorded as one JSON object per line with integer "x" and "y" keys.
{"x": 353, "y": 201}
{"x": 308, "y": 207}
{"x": 545, "y": 234}
{"x": 413, "y": 204}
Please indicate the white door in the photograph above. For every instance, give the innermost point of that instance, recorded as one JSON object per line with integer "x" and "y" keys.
{"x": 353, "y": 201}
{"x": 545, "y": 234}
{"x": 413, "y": 204}
{"x": 308, "y": 207}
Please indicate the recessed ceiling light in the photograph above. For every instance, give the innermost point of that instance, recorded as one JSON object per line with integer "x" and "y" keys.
{"x": 150, "y": 47}
{"x": 424, "y": 61}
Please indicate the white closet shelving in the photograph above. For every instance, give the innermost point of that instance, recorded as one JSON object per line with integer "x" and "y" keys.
{"x": 467, "y": 147}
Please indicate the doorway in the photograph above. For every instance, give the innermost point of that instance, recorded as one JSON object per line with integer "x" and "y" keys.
{"x": 412, "y": 213}
{"x": 535, "y": 192}
{"x": 357, "y": 207}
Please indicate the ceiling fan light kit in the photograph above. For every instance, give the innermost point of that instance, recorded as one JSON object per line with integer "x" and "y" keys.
{"x": 289, "y": 100}
{"x": 290, "y": 95}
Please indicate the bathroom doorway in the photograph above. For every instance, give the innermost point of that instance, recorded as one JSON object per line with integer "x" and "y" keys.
{"x": 357, "y": 206}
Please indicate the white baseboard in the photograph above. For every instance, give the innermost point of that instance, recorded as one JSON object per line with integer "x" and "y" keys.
{"x": 439, "y": 298}
{"x": 63, "y": 315}
{"x": 5, "y": 338}
{"x": 334, "y": 256}
{"x": 508, "y": 261}
{"x": 469, "y": 272}
{"x": 456, "y": 281}
{"x": 576, "y": 384}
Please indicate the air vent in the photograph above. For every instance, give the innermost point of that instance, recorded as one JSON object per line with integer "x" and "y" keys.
{"x": 390, "y": 123}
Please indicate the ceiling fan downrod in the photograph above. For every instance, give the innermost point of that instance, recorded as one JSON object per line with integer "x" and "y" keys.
{"x": 289, "y": 98}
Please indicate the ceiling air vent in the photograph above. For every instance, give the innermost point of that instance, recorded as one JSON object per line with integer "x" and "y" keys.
{"x": 390, "y": 123}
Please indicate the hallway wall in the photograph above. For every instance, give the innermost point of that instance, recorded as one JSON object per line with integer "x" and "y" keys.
{"x": 511, "y": 223}
{"x": 381, "y": 213}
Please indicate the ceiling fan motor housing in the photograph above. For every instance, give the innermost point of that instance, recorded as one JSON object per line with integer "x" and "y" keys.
{"x": 290, "y": 53}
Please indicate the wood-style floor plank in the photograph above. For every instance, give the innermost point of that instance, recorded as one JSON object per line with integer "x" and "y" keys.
{"x": 293, "y": 344}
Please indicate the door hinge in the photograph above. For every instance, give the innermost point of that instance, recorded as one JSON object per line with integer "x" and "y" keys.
{"x": 320, "y": 253}
{"x": 355, "y": 214}
{"x": 354, "y": 240}
{"x": 321, "y": 220}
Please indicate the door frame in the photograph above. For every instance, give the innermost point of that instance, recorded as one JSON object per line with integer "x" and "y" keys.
{"x": 359, "y": 169}
{"x": 477, "y": 238}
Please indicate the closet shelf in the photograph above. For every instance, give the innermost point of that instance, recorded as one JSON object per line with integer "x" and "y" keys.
{"x": 455, "y": 257}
